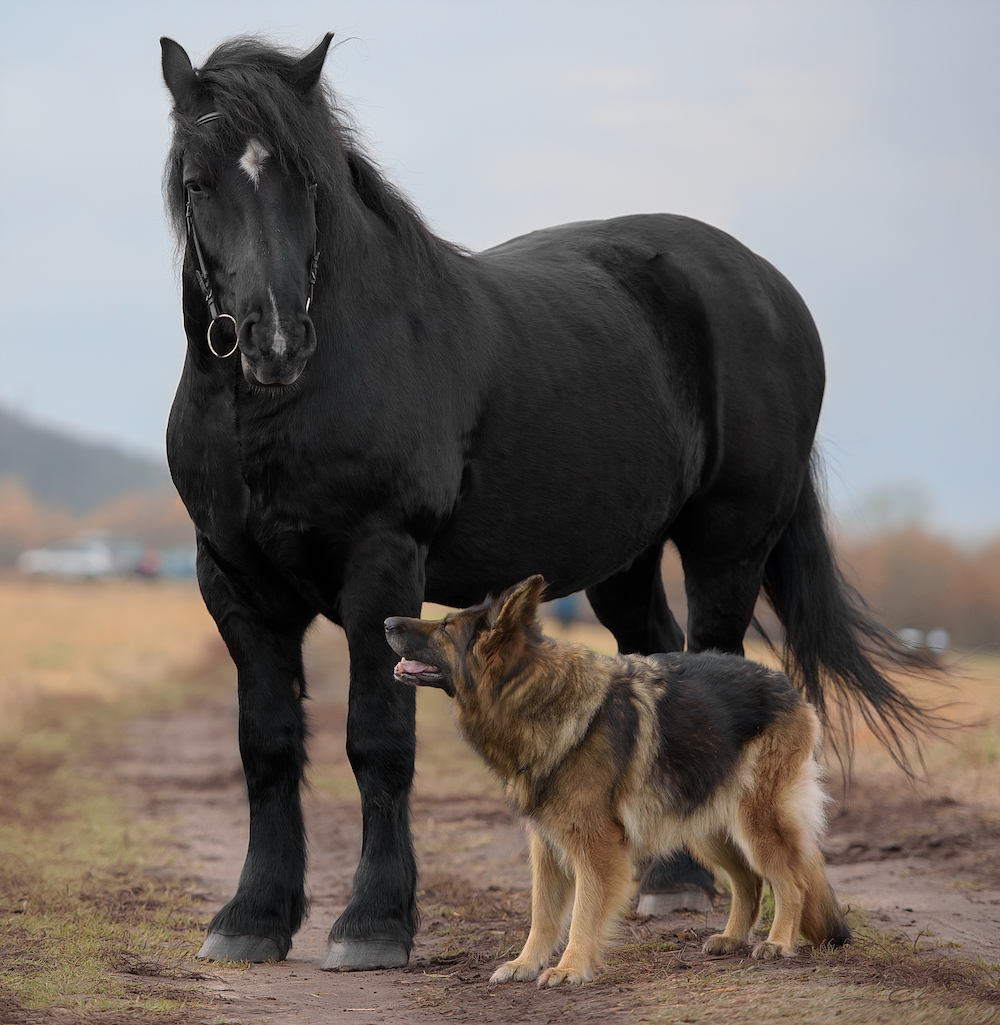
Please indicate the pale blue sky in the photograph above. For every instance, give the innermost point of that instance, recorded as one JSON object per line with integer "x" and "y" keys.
{"x": 854, "y": 145}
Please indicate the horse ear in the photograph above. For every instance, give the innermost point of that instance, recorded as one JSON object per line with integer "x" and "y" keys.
{"x": 178, "y": 74}
{"x": 519, "y": 605}
{"x": 310, "y": 67}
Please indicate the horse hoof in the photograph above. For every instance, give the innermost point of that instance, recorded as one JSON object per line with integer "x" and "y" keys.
{"x": 682, "y": 900}
{"x": 363, "y": 955}
{"x": 220, "y": 947}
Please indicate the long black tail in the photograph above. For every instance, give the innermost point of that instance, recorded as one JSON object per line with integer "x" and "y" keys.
{"x": 835, "y": 652}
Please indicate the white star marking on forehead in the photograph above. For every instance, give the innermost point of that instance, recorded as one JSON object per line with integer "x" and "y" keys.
{"x": 252, "y": 161}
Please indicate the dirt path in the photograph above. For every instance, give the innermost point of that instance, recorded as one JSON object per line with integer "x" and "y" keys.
{"x": 920, "y": 866}
{"x": 915, "y": 868}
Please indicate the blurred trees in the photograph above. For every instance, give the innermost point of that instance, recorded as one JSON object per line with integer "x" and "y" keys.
{"x": 156, "y": 519}
{"x": 910, "y": 578}
{"x": 26, "y": 523}
{"x": 914, "y": 579}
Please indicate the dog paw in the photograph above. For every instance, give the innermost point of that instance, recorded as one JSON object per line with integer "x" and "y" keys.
{"x": 563, "y": 976}
{"x": 720, "y": 943}
{"x": 768, "y": 951}
{"x": 514, "y": 971}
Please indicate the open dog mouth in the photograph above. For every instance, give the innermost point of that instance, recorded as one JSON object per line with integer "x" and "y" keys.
{"x": 408, "y": 670}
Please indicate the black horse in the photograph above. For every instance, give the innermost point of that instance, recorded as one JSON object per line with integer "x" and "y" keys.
{"x": 369, "y": 416}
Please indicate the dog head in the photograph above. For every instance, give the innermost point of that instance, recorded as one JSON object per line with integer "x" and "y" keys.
{"x": 480, "y": 648}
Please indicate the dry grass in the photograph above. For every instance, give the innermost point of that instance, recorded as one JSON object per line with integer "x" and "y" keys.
{"x": 85, "y": 926}
{"x": 106, "y": 639}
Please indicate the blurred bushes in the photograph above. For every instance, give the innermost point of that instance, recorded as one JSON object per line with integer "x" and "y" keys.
{"x": 156, "y": 519}
{"x": 914, "y": 579}
{"x": 909, "y": 577}
{"x": 25, "y": 523}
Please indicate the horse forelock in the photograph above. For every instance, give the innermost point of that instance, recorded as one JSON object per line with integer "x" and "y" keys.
{"x": 250, "y": 83}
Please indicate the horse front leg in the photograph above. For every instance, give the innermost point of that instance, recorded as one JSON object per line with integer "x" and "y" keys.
{"x": 386, "y": 578}
{"x": 258, "y": 923}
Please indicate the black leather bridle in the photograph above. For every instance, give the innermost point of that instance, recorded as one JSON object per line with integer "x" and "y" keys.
{"x": 201, "y": 271}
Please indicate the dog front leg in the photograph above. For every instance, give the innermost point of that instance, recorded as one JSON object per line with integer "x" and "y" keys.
{"x": 603, "y": 888}
{"x": 550, "y": 889}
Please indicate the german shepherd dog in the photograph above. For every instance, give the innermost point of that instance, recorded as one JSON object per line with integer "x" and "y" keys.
{"x": 614, "y": 760}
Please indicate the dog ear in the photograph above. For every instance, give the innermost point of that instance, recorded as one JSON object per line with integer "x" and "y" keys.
{"x": 518, "y": 607}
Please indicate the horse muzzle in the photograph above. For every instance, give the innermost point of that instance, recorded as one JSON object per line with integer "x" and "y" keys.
{"x": 274, "y": 354}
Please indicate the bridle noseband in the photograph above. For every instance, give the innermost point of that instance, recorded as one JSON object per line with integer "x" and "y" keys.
{"x": 201, "y": 271}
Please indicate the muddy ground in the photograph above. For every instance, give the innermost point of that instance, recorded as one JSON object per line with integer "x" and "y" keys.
{"x": 923, "y": 867}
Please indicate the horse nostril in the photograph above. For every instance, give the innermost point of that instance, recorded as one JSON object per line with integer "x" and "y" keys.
{"x": 309, "y": 336}
{"x": 246, "y": 330}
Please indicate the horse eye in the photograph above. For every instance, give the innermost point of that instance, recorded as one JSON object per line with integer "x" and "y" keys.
{"x": 194, "y": 187}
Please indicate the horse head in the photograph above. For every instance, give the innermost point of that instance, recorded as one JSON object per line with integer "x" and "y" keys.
{"x": 249, "y": 209}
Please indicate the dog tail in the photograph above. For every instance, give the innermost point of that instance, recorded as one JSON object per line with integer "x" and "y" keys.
{"x": 823, "y": 922}
{"x": 832, "y": 640}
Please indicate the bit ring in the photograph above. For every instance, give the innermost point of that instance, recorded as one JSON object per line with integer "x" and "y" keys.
{"x": 223, "y": 355}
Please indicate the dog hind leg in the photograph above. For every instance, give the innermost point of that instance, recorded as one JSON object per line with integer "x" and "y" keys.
{"x": 747, "y": 885}
{"x": 550, "y": 893}
{"x": 776, "y": 842}
{"x": 788, "y": 884}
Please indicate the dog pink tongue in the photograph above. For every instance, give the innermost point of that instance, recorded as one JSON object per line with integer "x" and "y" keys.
{"x": 408, "y": 665}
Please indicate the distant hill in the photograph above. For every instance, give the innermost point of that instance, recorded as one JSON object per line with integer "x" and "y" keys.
{"x": 64, "y": 472}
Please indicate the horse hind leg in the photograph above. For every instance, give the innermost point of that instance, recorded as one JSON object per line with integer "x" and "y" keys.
{"x": 633, "y": 606}
{"x": 721, "y": 598}
{"x": 723, "y": 548}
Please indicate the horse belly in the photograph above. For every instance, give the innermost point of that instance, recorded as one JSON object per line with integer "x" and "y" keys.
{"x": 575, "y": 506}
{"x": 587, "y": 446}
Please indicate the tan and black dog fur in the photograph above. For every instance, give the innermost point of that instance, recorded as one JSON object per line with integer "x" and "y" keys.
{"x": 614, "y": 760}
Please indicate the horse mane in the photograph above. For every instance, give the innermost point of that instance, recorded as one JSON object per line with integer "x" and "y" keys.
{"x": 250, "y": 81}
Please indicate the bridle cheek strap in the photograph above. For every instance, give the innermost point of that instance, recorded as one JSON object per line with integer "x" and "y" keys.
{"x": 205, "y": 282}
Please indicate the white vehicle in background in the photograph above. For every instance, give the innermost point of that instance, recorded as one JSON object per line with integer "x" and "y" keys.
{"x": 89, "y": 554}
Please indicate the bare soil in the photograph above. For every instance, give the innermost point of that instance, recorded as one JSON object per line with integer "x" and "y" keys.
{"x": 923, "y": 868}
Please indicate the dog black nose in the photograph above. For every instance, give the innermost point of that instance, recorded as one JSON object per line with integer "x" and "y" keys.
{"x": 393, "y": 623}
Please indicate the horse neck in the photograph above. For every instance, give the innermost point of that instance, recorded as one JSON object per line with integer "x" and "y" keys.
{"x": 367, "y": 254}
